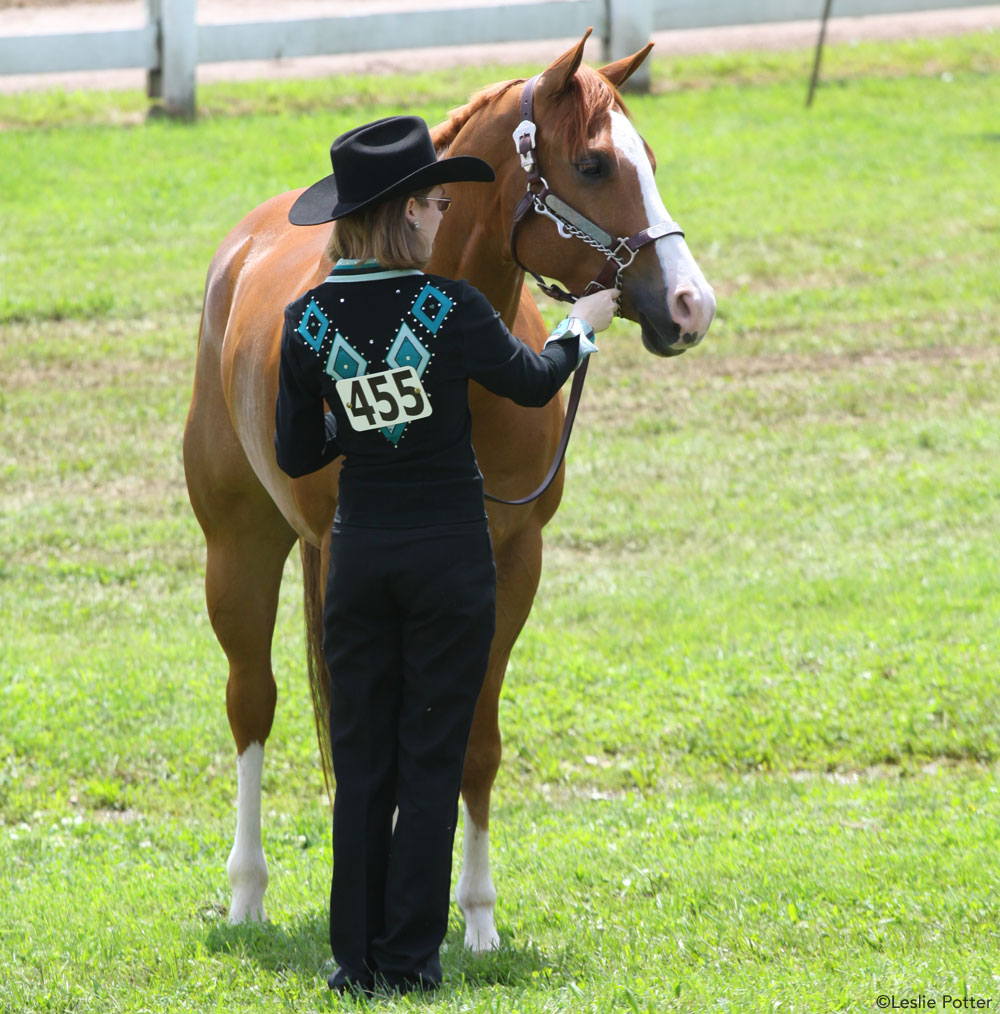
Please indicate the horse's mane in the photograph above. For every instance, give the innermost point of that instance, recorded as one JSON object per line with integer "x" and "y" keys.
{"x": 585, "y": 101}
{"x": 445, "y": 133}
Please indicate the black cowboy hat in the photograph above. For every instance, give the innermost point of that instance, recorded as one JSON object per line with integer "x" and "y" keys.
{"x": 379, "y": 160}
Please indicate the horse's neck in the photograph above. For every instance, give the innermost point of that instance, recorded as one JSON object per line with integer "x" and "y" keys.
{"x": 466, "y": 252}
{"x": 473, "y": 240}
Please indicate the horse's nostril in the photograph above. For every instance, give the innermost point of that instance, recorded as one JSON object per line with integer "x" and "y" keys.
{"x": 692, "y": 309}
{"x": 682, "y": 310}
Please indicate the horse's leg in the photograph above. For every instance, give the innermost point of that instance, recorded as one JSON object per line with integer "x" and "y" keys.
{"x": 248, "y": 542}
{"x": 242, "y": 582}
{"x": 519, "y": 566}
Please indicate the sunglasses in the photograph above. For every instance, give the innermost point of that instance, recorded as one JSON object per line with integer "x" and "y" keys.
{"x": 445, "y": 202}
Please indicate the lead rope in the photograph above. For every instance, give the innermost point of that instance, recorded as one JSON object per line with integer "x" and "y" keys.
{"x": 574, "y": 401}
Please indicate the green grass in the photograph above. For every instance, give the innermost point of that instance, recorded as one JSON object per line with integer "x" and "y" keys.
{"x": 751, "y": 732}
{"x": 748, "y": 895}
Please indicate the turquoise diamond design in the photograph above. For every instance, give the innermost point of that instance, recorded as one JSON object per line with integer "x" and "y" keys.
{"x": 344, "y": 362}
{"x": 444, "y": 305}
{"x": 314, "y": 325}
{"x": 407, "y": 351}
{"x": 393, "y": 433}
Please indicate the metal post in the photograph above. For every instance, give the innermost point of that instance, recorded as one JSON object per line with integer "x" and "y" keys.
{"x": 819, "y": 52}
{"x": 179, "y": 57}
{"x": 630, "y": 26}
{"x": 154, "y": 75}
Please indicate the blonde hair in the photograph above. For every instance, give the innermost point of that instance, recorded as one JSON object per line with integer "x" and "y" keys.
{"x": 381, "y": 233}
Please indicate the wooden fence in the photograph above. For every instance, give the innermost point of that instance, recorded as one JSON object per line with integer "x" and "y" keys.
{"x": 171, "y": 44}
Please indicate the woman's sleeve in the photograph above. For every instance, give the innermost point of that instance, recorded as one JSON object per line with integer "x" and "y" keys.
{"x": 506, "y": 366}
{"x": 305, "y": 437}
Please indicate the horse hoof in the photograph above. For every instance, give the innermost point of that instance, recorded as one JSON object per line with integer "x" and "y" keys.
{"x": 248, "y": 881}
{"x": 246, "y": 908}
{"x": 480, "y": 933}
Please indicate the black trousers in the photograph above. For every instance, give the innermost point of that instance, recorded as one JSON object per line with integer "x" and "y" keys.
{"x": 408, "y": 622}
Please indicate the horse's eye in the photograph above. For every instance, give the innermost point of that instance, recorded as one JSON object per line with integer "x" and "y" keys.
{"x": 590, "y": 166}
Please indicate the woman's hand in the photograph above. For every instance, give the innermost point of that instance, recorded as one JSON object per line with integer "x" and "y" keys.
{"x": 597, "y": 309}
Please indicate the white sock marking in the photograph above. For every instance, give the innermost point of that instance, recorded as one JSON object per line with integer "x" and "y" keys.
{"x": 247, "y": 867}
{"x": 475, "y": 893}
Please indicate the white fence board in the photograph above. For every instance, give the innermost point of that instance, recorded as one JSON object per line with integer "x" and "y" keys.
{"x": 110, "y": 50}
{"x": 359, "y": 33}
{"x": 682, "y": 14}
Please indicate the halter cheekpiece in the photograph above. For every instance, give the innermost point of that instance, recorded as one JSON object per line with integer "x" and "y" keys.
{"x": 571, "y": 223}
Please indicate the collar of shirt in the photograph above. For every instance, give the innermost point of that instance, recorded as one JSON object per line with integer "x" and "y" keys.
{"x": 347, "y": 270}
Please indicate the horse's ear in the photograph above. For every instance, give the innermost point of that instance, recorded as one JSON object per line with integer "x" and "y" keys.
{"x": 621, "y": 70}
{"x": 556, "y": 77}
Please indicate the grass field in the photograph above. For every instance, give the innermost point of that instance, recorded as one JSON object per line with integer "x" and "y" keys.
{"x": 753, "y": 727}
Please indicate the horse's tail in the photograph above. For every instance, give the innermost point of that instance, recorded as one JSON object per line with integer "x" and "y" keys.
{"x": 319, "y": 679}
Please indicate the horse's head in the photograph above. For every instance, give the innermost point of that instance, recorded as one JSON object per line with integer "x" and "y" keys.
{"x": 592, "y": 159}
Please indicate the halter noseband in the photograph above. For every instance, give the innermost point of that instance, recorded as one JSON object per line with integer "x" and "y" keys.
{"x": 572, "y": 225}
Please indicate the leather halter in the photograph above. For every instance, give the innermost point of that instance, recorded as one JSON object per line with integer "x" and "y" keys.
{"x": 539, "y": 198}
{"x": 572, "y": 224}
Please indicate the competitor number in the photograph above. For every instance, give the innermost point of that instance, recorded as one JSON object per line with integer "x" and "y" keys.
{"x": 376, "y": 400}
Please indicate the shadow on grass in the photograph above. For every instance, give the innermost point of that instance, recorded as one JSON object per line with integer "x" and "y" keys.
{"x": 302, "y": 948}
{"x": 516, "y": 964}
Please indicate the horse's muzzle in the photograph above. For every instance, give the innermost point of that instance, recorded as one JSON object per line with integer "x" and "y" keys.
{"x": 667, "y": 339}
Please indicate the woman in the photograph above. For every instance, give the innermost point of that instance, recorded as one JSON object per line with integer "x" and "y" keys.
{"x": 410, "y": 598}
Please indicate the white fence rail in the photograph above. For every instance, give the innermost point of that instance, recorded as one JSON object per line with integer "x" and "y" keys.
{"x": 171, "y": 44}
{"x": 680, "y": 14}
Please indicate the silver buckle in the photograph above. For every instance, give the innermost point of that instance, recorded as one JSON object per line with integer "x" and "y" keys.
{"x": 525, "y": 129}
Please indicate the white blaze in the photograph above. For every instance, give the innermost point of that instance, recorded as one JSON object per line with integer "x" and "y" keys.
{"x": 680, "y": 270}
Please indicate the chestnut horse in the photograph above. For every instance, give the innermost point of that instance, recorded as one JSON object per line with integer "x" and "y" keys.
{"x": 252, "y": 513}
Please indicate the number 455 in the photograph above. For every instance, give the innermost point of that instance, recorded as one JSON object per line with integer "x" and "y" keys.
{"x": 375, "y": 400}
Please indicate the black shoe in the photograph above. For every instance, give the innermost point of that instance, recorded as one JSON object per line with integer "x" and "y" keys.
{"x": 343, "y": 982}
